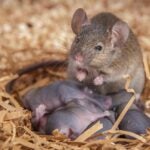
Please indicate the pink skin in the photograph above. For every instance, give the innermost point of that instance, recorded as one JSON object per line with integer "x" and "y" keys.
{"x": 99, "y": 80}
{"x": 38, "y": 114}
{"x": 40, "y": 111}
{"x": 81, "y": 75}
{"x": 79, "y": 58}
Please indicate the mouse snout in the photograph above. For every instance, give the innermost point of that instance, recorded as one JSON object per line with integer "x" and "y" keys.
{"x": 78, "y": 57}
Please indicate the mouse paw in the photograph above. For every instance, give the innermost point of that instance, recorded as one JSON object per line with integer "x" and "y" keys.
{"x": 81, "y": 76}
{"x": 40, "y": 111}
{"x": 98, "y": 80}
{"x": 106, "y": 113}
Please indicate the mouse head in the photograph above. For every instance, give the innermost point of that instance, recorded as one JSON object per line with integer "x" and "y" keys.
{"x": 97, "y": 42}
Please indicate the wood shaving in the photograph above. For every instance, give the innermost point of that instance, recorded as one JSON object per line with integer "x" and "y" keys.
{"x": 89, "y": 132}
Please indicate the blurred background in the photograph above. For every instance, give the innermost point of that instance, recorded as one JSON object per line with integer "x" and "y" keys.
{"x": 36, "y": 30}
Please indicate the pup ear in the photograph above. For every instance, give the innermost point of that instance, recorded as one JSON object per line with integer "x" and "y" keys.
{"x": 119, "y": 34}
{"x": 79, "y": 19}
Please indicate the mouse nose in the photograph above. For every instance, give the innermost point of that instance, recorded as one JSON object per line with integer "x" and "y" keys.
{"x": 79, "y": 57}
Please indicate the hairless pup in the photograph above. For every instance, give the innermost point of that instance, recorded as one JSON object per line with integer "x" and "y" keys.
{"x": 134, "y": 121}
{"x": 73, "y": 118}
{"x": 46, "y": 99}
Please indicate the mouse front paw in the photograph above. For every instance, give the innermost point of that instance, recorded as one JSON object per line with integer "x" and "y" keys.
{"x": 107, "y": 113}
{"x": 99, "y": 80}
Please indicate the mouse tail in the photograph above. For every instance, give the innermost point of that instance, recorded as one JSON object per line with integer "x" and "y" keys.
{"x": 51, "y": 63}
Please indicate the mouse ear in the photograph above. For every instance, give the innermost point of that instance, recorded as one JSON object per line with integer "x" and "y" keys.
{"x": 79, "y": 19}
{"x": 119, "y": 34}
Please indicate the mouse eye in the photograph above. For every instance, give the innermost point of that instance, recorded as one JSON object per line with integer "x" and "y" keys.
{"x": 98, "y": 47}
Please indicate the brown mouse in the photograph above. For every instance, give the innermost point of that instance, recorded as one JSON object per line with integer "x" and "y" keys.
{"x": 105, "y": 49}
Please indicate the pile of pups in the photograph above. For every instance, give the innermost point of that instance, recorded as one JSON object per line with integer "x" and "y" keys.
{"x": 72, "y": 108}
{"x": 67, "y": 106}
{"x": 104, "y": 49}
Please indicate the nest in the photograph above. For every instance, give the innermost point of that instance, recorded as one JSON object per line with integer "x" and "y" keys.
{"x": 35, "y": 30}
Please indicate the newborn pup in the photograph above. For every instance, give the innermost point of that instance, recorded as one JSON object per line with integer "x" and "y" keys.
{"x": 135, "y": 120}
{"x": 75, "y": 116}
{"x": 46, "y": 99}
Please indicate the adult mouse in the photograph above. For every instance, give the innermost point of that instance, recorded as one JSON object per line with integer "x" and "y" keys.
{"x": 105, "y": 49}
